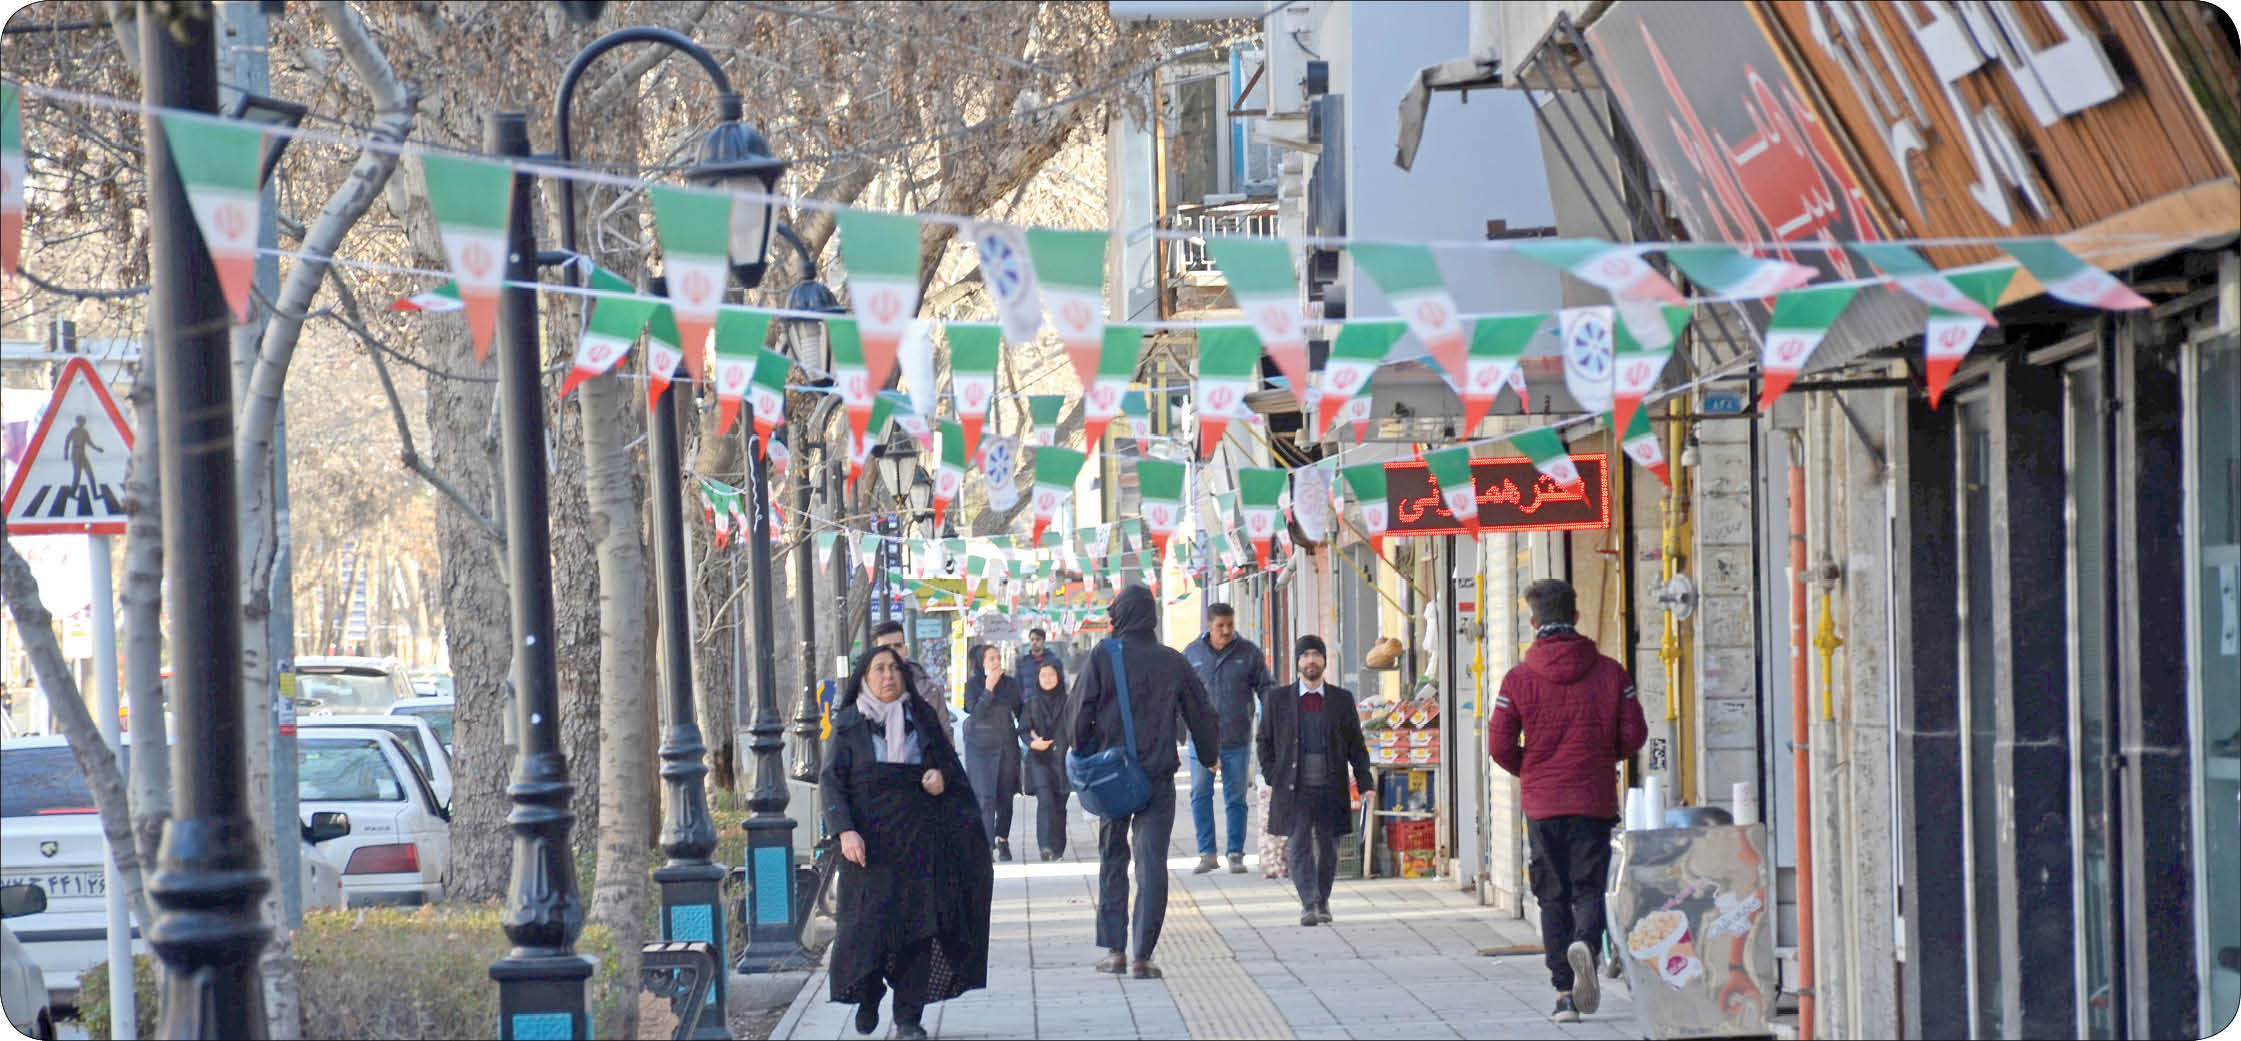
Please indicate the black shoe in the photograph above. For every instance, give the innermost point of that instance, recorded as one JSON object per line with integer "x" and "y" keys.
{"x": 1565, "y": 1013}
{"x": 1049, "y": 856}
{"x": 1323, "y": 912}
{"x": 911, "y": 1031}
{"x": 1587, "y": 995}
{"x": 867, "y": 1012}
{"x": 1310, "y": 917}
{"x": 1004, "y": 850}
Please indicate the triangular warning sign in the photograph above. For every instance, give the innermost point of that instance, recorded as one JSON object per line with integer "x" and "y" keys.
{"x": 72, "y": 476}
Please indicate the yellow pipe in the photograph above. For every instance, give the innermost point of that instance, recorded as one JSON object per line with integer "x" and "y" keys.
{"x": 1478, "y": 646}
{"x": 1826, "y": 641}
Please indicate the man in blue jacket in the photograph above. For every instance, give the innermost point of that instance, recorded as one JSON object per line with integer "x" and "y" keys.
{"x": 1032, "y": 661}
{"x": 1234, "y": 673}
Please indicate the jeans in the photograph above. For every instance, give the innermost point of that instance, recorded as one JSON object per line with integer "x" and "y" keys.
{"x": 1571, "y": 856}
{"x": 1150, "y": 829}
{"x": 995, "y": 814}
{"x": 1234, "y": 763}
{"x": 1313, "y": 848}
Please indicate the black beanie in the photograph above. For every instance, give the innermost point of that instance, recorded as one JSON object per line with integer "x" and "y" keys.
{"x": 1309, "y": 643}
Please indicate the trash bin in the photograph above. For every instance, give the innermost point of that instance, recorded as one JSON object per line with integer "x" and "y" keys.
{"x": 1691, "y": 913}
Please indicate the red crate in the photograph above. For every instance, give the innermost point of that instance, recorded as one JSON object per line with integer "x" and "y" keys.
{"x": 1410, "y": 836}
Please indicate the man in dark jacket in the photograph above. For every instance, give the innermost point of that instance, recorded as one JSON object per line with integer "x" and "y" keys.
{"x": 1580, "y": 718}
{"x": 1234, "y": 674}
{"x": 1161, "y": 690}
{"x": 890, "y": 634}
{"x": 1309, "y": 738}
{"x": 1032, "y": 659}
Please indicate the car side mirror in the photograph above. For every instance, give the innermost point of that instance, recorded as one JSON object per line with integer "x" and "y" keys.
{"x": 326, "y": 824}
{"x": 21, "y": 899}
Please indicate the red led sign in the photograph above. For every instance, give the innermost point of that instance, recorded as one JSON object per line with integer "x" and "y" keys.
{"x": 1512, "y": 496}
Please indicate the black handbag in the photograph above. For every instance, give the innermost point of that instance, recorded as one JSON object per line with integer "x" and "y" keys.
{"x": 1111, "y": 782}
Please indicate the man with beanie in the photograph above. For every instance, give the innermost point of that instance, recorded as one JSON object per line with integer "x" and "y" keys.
{"x": 1310, "y": 737}
{"x": 1579, "y": 718}
{"x": 1162, "y": 690}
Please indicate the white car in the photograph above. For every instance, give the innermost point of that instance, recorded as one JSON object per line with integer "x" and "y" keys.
{"x": 349, "y": 684}
{"x": 23, "y": 988}
{"x": 436, "y": 710}
{"x": 418, "y": 737}
{"x": 400, "y": 833}
{"x": 50, "y": 836}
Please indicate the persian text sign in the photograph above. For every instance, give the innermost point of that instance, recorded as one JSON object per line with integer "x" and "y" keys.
{"x": 1512, "y": 496}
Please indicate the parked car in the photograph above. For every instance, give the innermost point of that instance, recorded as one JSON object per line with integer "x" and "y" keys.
{"x": 436, "y": 710}
{"x": 23, "y": 989}
{"x": 415, "y": 733}
{"x": 50, "y": 835}
{"x": 431, "y": 683}
{"x": 400, "y": 837}
{"x": 346, "y": 684}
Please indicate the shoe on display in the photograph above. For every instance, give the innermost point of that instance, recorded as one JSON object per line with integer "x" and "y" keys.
{"x": 1565, "y": 1012}
{"x": 1237, "y": 863}
{"x": 1206, "y": 863}
{"x": 1587, "y": 995}
{"x": 1115, "y": 963}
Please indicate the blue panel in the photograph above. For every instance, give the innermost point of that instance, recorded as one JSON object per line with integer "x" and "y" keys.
{"x": 774, "y": 877}
{"x": 691, "y": 922}
{"x": 544, "y": 1026}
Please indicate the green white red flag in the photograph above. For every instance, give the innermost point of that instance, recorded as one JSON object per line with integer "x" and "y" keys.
{"x": 875, "y": 431}
{"x": 1550, "y": 456}
{"x": 1617, "y": 268}
{"x": 1640, "y": 444}
{"x": 1724, "y": 274}
{"x": 1948, "y": 336}
{"x": 1367, "y": 480}
{"x": 1450, "y": 469}
{"x": 1116, "y": 365}
{"x": 1267, "y": 289}
{"x": 13, "y": 170}
{"x": 2068, "y": 277}
{"x": 472, "y": 199}
{"x": 766, "y": 393}
{"x": 1356, "y": 352}
{"x": 1160, "y": 483}
{"x": 1260, "y": 490}
{"x": 441, "y": 299}
{"x": 974, "y": 351}
{"x": 1636, "y": 366}
{"x": 1801, "y": 319}
{"x": 1919, "y": 278}
{"x": 1055, "y": 470}
{"x": 1227, "y": 360}
{"x": 1410, "y": 278}
{"x": 664, "y": 352}
{"x": 850, "y": 376}
{"x": 610, "y": 329}
{"x": 695, "y": 231}
{"x": 1043, "y": 409}
{"x": 738, "y": 339}
{"x": 1070, "y": 275}
{"x": 881, "y": 251}
{"x": 217, "y": 161}
{"x": 1496, "y": 345}
{"x": 949, "y": 477}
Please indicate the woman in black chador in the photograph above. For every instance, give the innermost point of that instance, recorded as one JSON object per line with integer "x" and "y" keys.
{"x": 1043, "y": 726}
{"x": 915, "y": 877}
{"x": 992, "y": 707}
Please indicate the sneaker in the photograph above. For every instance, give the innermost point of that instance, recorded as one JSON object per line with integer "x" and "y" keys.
{"x": 1237, "y": 863}
{"x": 1309, "y": 917}
{"x": 1145, "y": 970}
{"x": 1206, "y": 862}
{"x": 1565, "y": 1013}
{"x": 1115, "y": 963}
{"x": 1587, "y": 995}
{"x": 1323, "y": 912}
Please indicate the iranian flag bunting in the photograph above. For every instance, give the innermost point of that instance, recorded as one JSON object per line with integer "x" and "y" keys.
{"x": 949, "y": 477}
{"x": 766, "y": 392}
{"x": 1451, "y": 476}
{"x": 663, "y": 353}
{"x": 440, "y": 299}
{"x": 849, "y": 374}
{"x": 1640, "y": 445}
{"x": 1801, "y": 318}
{"x": 1367, "y": 480}
{"x": 13, "y": 170}
{"x": 1070, "y": 274}
{"x": 1261, "y": 277}
{"x": 217, "y": 163}
{"x": 739, "y": 338}
{"x": 471, "y": 199}
{"x": 1261, "y": 491}
{"x": 1410, "y": 277}
{"x": 1618, "y": 268}
{"x": 1160, "y": 483}
{"x": 974, "y": 351}
{"x": 875, "y": 431}
{"x": 1116, "y": 365}
{"x": 1947, "y": 336}
{"x": 609, "y": 331}
{"x": 1055, "y": 470}
{"x": 1919, "y": 278}
{"x": 825, "y": 540}
{"x": 1726, "y": 274}
{"x": 1227, "y": 358}
{"x": 1356, "y": 352}
{"x": 1496, "y": 345}
{"x": 881, "y": 251}
{"x": 1635, "y": 367}
{"x": 1550, "y": 457}
{"x": 1588, "y": 355}
{"x": 719, "y": 502}
{"x": 910, "y": 419}
{"x": 2067, "y": 276}
{"x": 1005, "y": 269}
{"x": 695, "y": 231}
{"x": 1043, "y": 409}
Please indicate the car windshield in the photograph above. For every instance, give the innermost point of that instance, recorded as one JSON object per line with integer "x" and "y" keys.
{"x": 438, "y": 718}
{"x": 44, "y": 781}
{"x": 348, "y": 691}
{"x": 345, "y": 770}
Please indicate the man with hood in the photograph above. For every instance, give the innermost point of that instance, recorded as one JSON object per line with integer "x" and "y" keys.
{"x": 1162, "y": 691}
{"x": 1579, "y": 718}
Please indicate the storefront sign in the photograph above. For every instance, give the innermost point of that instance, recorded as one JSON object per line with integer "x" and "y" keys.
{"x": 1512, "y": 496}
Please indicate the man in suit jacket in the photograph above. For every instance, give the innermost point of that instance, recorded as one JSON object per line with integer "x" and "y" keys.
{"x": 1310, "y": 736}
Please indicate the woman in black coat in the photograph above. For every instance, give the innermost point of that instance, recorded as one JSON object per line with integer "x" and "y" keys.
{"x": 992, "y": 720}
{"x": 914, "y": 878}
{"x": 1042, "y": 725}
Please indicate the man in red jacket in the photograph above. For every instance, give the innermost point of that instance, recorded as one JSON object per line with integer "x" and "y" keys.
{"x": 1580, "y": 718}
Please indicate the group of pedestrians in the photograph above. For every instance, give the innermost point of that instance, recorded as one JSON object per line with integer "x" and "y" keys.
{"x": 919, "y": 822}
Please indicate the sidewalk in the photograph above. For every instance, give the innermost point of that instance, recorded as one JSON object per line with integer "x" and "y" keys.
{"x": 1401, "y": 961}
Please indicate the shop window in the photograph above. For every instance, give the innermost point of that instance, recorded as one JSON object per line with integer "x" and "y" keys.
{"x": 2085, "y": 457}
{"x": 2216, "y": 522}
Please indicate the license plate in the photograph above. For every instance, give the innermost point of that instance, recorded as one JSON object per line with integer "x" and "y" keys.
{"x": 60, "y": 884}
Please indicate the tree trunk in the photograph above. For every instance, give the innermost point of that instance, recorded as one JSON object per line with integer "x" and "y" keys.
{"x": 717, "y": 681}
{"x": 576, "y": 619}
{"x": 143, "y": 626}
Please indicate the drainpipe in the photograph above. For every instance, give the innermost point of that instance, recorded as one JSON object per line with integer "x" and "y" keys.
{"x": 1800, "y": 700}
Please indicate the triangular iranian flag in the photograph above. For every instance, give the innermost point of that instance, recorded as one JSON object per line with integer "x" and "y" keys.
{"x": 1640, "y": 444}
{"x": 1546, "y": 449}
{"x": 217, "y": 162}
{"x": 739, "y": 338}
{"x": 2067, "y": 276}
{"x": 609, "y": 331}
{"x": 1261, "y": 491}
{"x": 881, "y": 251}
{"x": 13, "y": 170}
{"x": 867, "y": 553}
{"x": 766, "y": 392}
{"x": 875, "y": 431}
{"x": 716, "y": 504}
{"x": 1410, "y": 277}
{"x": 472, "y": 199}
{"x": 1802, "y": 317}
{"x": 825, "y": 540}
{"x": 911, "y": 420}
{"x": 949, "y": 477}
{"x": 1947, "y": 336}
{"x": 1725, "y": 274}
{"x": 1116, "y": 365}
{"x": 1043, "y": 409}
{"x": 663, "y": 353}
{"x": 1356, "y": 352}
{"x": 1161, "y": 483}
{"x": 1496, "y": 345}
{"x": 1919, "y": 278}
{"x": 1635, "y": 366}
{"x": 1450, "y": 469}
{"x": 1267, "y": 289}
{"x": 1617, "y": 268}
{"x": 974, "y": 352}
{"x": 441, "y": 299}
{"x": 1367, "y": 480}
{"x": 1070, "y": 273}
{"x": 849, "y": 374}
{"x": 1227, "y": 360}
{"x": 1055, "y": 470}
{"x": 695, "y": 231}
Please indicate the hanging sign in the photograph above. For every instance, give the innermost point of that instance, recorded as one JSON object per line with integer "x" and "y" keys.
{"x": 1512, "y": 495}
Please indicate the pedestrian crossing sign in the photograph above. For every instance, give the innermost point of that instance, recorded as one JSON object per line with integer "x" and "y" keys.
{"x": 71, "y": 478}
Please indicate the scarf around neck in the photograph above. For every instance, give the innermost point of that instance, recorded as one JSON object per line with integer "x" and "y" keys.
{"x": 890, "y": 715}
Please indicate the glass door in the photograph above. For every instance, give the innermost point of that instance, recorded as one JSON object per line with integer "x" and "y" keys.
{"x": 1981, "y": 816}
{"x": 2214, "y": 456}
{"x": 2085, "y": 457}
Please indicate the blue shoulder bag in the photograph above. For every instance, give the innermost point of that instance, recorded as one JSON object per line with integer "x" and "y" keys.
{"x": 1110, "y": 781}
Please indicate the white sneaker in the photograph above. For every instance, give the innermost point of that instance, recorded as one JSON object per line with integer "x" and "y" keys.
{"x": 1587, "y": 993}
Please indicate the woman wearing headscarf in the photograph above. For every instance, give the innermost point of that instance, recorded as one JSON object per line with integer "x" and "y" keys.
{"x": 992, "y": 720}
{"x": 1042, "y": 725}
{"x": 914, "y": 877}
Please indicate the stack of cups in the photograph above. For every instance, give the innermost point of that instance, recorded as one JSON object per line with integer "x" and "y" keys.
{"x": 1633, "y": 817}
{"x": 1745, "y": 799}
{"x": 1653, "y": 801}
